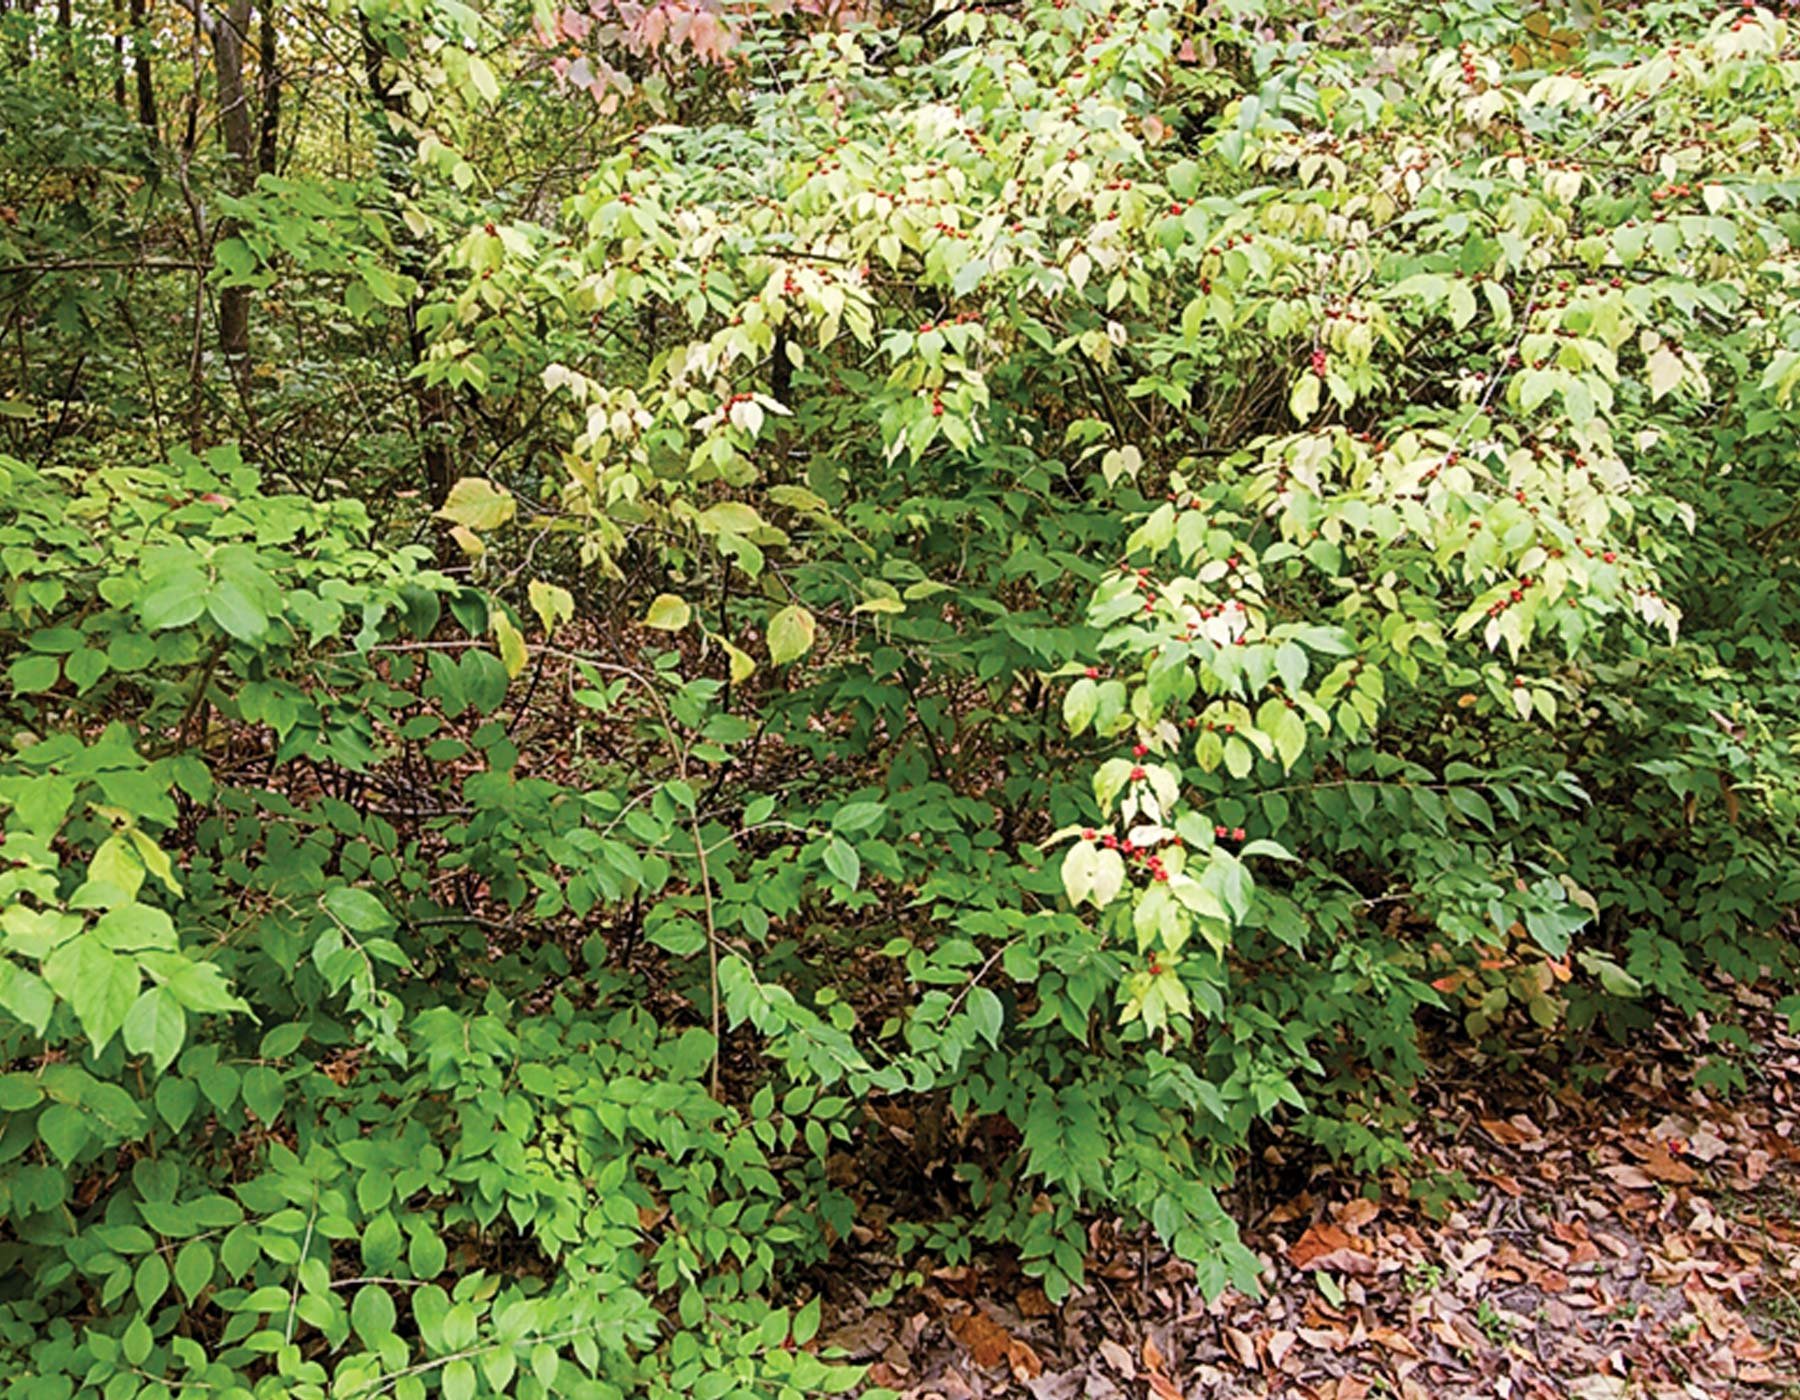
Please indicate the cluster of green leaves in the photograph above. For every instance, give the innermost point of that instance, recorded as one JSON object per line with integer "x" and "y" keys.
{"x": 1082, "y": 580}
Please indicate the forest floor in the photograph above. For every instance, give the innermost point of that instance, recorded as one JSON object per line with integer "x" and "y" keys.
{"x": 1636, "y": 1236}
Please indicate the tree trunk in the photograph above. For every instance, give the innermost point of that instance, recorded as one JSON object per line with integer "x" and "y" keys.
{"x": 140, "y": 62}
{"x": 228, "y": 30}
{"x": 268, "y": 78}
{"x": 393, "y": 155}
{"x": 65, "y": 34}
{"x": 118, "y": 58}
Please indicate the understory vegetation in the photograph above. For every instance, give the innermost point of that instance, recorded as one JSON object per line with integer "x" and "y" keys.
{"x": 640, "y": 638}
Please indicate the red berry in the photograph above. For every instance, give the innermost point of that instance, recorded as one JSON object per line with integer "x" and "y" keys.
{"x": 1137, "y": 775}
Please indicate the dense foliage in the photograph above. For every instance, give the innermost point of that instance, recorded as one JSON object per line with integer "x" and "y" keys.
{"x": 638, "y": 638}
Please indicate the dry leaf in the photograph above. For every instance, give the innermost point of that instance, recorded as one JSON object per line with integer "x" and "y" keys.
{"x": 1238, "y": 1343}
{"x": 1660, "y": 1165}
{"x": 1394, "y": 1340}
{"x": 1118, "y": 1358}
{"x": 1031, "y": 1302}
{"x": 1358, "y": 1212}
{"x": 1328, "y": 1247}
{"x": 984, "y": 1339}
{"x": 1022, "y": 1360}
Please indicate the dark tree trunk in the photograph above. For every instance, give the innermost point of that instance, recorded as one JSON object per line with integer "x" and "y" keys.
{"x": 118, "y": 58}
{"x": 140, "y": 62}
{"x": 394, "y": 152}
{"x": 268, "y": 76}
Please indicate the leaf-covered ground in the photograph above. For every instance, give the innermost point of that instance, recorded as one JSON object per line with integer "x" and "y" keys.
{"x": 1635, "y": 1235}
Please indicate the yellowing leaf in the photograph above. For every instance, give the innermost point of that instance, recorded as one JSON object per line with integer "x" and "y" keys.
{"x": 511, "y": 642}
{"x": 483, "y": 79}
{"x": 477, "y": 504}
{"x": 729, "y": 518}
{"x": 791, "y": 633}
{"x": 551, "y": 603}
{"x": 743, "y": 665}
{"x": 881, "y": 605}
{"x": 667, "y": 613}
{"x": 1666, "y": 371}
{"x": 1304, "y": 401}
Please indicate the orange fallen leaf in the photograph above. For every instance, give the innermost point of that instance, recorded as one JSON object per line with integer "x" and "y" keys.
{"x": 1031, "y": 1302}
{"x": 1394, "y": 1340}
{"x": 984, "y": 1339}
{"x": 1660, "y": 1165}
{"x": 1328, "y": 1247}
{"x": 1022, "y": 1360}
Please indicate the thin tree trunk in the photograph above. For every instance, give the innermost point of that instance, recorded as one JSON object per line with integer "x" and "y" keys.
{"x": 65, "y": 33}
{"x": 228, "y": 31}
{"x": 268, "y": 77}
{"x": 394, "y": 151}
{"x": 140, "y": 62}
{"x": 118, "y": 57}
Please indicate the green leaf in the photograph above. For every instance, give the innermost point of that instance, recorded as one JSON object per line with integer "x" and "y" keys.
{"x": 100, "y": 985}
{"x": 358, "y": 910}
{"x": 176, "y": 1100}
{"x": 177, "y": 600}
{"x": 459, "y": 1381}
{"x": 381, "y": 1244}
{"x": 987, "y": 1013}
{"x": 151, "y": 1281}
{"x": 155, "y": 1026}
{"x": 65, "y": 1130}
{"x": 33, "y": 675}
{"x": 854, "y": 817}
{"x": 842, "y": 861}
{"x": 236, "y": 612}
{"x": 791, "y": 633}
{"x": 730, "y": 517}
{"x": 372, "y": 1314}
{"x": 193, "y": 1269}
{"x": 1079, "y": 705}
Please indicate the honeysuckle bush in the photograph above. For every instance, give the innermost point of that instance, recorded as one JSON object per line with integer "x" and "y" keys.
{"x": 1378, "y": 392}
{"x": 1107, "y": 574}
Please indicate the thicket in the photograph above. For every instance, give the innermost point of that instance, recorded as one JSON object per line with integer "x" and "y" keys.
{"x": 640, "y": 637}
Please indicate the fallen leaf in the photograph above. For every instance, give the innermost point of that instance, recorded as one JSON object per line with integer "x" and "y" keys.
{"x": 1238, "y": 1343}
{"x": 1328, "y": 1247}
{"x": 1022, "y": 1360}
{"x": 984, "y": 1339}
{"x": 1118, "y": 1358}
{"x": 1394, "y": 1340}
{"x": 1358, "y": 1212}
{"x": 1660, "y": 1165}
